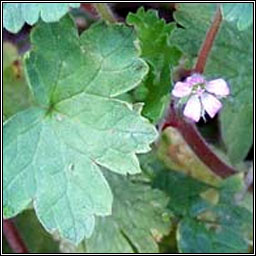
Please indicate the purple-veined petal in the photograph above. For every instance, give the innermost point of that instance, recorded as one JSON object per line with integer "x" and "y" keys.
{"x": 193, "y": 108}
{"x": 210, "y": 104}
{"x": 218, "y": 86}
{"x": 181, "y": 90}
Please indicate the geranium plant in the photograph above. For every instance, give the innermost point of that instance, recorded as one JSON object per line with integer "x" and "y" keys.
{"x": 124, "y": 132}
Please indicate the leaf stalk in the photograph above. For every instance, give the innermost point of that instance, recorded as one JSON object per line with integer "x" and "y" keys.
{"x": 13, "y": 237}
{"x": 105, "y": 12}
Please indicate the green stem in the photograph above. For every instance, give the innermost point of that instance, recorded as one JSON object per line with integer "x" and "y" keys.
{"x": 105, "y": 12}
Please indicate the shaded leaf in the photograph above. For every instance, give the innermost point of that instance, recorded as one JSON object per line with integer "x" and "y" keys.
{"x": 209, "y": 218}
{"x": 228, "y": 231}
{"x": 37, "y": 240}
{"x": 184, "y": 192}
{"x": 6, "y": 248}
{"x": 35, "y": 237}
{"x": 199, "y": 237}
{"x": 138, "y": 221}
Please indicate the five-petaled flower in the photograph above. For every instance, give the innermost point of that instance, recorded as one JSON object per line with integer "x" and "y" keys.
{"x": 202, "y": 95}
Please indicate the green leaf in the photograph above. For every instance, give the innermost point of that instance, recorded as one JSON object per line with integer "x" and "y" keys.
{"x": 228, "y": 230}
{"x": 183, "y": 190}
{"x": 242, "y": 13}
{"x": 157, "y": 49}
{"x": 138, "y": 221}
{"x": 210, "y": 219}
{"x": 230, "y": 59}
{"x": 6, "y": 247}
{"x": 52, "y": 152}
{"x": 16, "y": 95}
{"x": 237, "y": 126}
{"x": 16, "y": 14}
{"x": 201, "y": 237}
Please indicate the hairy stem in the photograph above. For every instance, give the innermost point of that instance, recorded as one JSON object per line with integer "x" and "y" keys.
{"x": 105, "y": 12}
{"x": 13, "y": 237}
{"x": 197, "y": 143}
{"x": 208, "y": 42}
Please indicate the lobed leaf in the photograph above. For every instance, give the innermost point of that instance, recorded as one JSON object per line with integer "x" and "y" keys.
{"x": 155, "y": 43}
{"x": 15, "y": 15}
{"x": 52, "y": 152}
{"x": 138, "y": 222}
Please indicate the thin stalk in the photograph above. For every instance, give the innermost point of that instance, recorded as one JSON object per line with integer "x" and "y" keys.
{"x": 105, "y": 12}
{"x": 197, "y": 143}
{"x": 13, "y": 237}
{"x": 208, "y": 42}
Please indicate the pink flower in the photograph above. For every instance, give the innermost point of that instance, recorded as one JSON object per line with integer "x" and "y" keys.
{"x": 202, "y": 95}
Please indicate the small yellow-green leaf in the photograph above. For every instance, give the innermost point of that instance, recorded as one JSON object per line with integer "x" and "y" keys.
{"x": 16, "y": 94}
{"x": 177, "y": 154}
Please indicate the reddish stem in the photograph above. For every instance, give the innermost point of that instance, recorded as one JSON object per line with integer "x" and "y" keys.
{"x": 208, "y": 42}
{"x": 193, "y": 138}
{"x": 13, "y": 237}
{"x": 188, "y": 129}
{"x": 90, "y": 9}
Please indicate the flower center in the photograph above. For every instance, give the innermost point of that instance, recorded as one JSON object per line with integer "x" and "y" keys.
{"x": 198, "y": 88}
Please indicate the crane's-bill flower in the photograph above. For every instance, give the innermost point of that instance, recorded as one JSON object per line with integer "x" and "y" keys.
{"x": 203, "y": 96}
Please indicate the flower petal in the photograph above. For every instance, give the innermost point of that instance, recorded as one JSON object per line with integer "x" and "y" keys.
{"x": 211, "y": 104}
{"x": 219, "y": 87}
{"x": 193, "y": 108}
{"x": 181, "y": 90}
{"x": 195, "y": 79}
